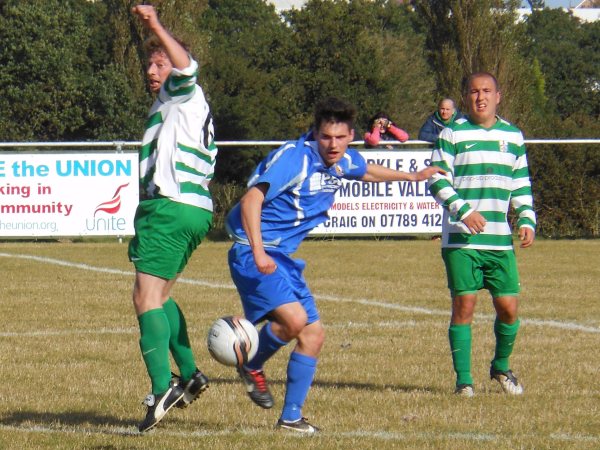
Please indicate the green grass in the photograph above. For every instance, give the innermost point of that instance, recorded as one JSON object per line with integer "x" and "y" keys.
{"x": 72, "y": 376}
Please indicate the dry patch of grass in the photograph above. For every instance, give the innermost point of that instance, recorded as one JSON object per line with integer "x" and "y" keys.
{"x": 72, "y": 376}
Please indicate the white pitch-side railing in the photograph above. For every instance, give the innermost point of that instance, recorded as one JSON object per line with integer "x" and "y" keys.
{"x": 121, "y": 145}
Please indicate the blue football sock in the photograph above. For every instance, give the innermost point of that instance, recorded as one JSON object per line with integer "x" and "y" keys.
{"x": 300, "y": 373}
{"x": 268, "y": 344}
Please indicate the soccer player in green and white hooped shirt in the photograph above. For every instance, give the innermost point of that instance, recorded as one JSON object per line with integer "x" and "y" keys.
{"x": 177, "y": 161}
{"x": 486, "y": 165}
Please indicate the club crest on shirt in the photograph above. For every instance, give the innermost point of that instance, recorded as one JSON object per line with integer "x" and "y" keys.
{"x": 503, "y": 146}
{"x": 338, "y": 170}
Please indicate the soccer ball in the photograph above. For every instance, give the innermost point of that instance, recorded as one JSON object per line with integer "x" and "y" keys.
{"x": 232, "y": 341}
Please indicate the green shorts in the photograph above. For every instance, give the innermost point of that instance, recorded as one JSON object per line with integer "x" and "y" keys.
{"x": 470, "y": 270}
{"x": 166, "y": 235}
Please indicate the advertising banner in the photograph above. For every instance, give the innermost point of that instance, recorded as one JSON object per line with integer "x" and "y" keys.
{"x": 68, "y": 194}
{"x": 399, "y": 207}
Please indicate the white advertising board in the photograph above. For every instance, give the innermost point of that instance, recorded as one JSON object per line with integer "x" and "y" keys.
{"x": 68, "y": 194}
{"x": 399, "y": 207}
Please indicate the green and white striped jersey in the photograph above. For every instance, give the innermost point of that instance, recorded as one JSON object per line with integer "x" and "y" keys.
{"x": 177, "y": 157}
{"x": 486, "y": 172}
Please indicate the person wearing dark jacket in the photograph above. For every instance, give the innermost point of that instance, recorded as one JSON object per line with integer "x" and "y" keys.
{"x": 435, "y": 123}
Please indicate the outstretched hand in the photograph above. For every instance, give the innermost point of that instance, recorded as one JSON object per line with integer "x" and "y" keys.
{"x": 428, "y": 172}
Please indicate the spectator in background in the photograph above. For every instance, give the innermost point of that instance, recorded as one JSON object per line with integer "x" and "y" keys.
{"x": 435, "y": 123}
{"x": 381, "y": 127}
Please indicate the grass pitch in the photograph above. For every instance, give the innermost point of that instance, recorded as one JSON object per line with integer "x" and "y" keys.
{"x": 72, "y": 375}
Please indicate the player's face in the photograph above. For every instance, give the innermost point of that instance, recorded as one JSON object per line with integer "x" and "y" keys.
{"x": 446, "y": 109}
{"x": 159, "y": 68}
{"x": 333, "y": 139}
{"x": 482, "y": 100}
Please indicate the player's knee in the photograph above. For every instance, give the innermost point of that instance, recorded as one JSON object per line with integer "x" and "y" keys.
{"x": 311, "y": 339}
{"x": 508, "y": 316}
{"x": 506, "y": 309}
{"x": 139, "y": 303}
{"x": 292, "y": 327}
{"x": 463, "y": 308}
{"x": 144, "y": 303}
{"x": 462, "y": 315}
{"x": 318, "y": 337}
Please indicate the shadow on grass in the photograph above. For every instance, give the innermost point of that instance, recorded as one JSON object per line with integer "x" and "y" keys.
{"x": 99, "y": 423}
{"x": 70, "y": 419}
{"x": 359, "y": 386}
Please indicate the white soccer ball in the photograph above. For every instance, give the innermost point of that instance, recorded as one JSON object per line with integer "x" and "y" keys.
{"x": 232, "y": 341}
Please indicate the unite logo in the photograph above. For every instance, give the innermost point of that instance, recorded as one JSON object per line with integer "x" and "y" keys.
{"x": 113, "y": 205}
{"x": 111, "y": 223}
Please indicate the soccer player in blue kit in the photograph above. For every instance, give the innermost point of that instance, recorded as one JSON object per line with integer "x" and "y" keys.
{"x": 289, "y": 194}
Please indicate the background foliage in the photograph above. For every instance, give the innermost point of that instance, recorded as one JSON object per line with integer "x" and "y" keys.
{"x": 74, "y": 70}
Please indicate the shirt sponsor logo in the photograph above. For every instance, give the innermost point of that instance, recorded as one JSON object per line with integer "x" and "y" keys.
{"x": 323, "y": 182}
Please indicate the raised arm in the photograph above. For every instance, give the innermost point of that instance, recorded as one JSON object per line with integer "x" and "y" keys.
{"x": 372, "y": 138}
{"x": 398, "y": 133}
{"x": 376, "y": 173}
{"x": 177, "y": 54}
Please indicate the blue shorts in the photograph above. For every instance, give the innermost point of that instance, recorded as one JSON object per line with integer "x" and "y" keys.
{"x": 262, "y": 293}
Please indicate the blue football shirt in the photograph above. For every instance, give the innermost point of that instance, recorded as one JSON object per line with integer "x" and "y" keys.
{"x": 301, "y": 190}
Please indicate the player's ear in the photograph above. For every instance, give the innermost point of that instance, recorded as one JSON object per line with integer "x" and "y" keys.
{"x": 352, "y": 134}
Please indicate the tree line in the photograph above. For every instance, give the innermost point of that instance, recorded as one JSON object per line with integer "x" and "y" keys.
{"x": 73, "y": 70}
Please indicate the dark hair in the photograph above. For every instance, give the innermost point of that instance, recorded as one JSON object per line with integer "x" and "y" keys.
{"x": 334, "y": 110}
{"x": 477, "y": 75}
{"x": 153, "y": 45}
{"x": 379, "y": 115}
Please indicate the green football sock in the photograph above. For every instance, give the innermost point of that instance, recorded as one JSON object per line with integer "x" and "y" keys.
{"x": 154, "y": 344}
{"x": 460, "y": 345}
{"x": 506, "y": 335}
{"x": 179, "y": 343}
